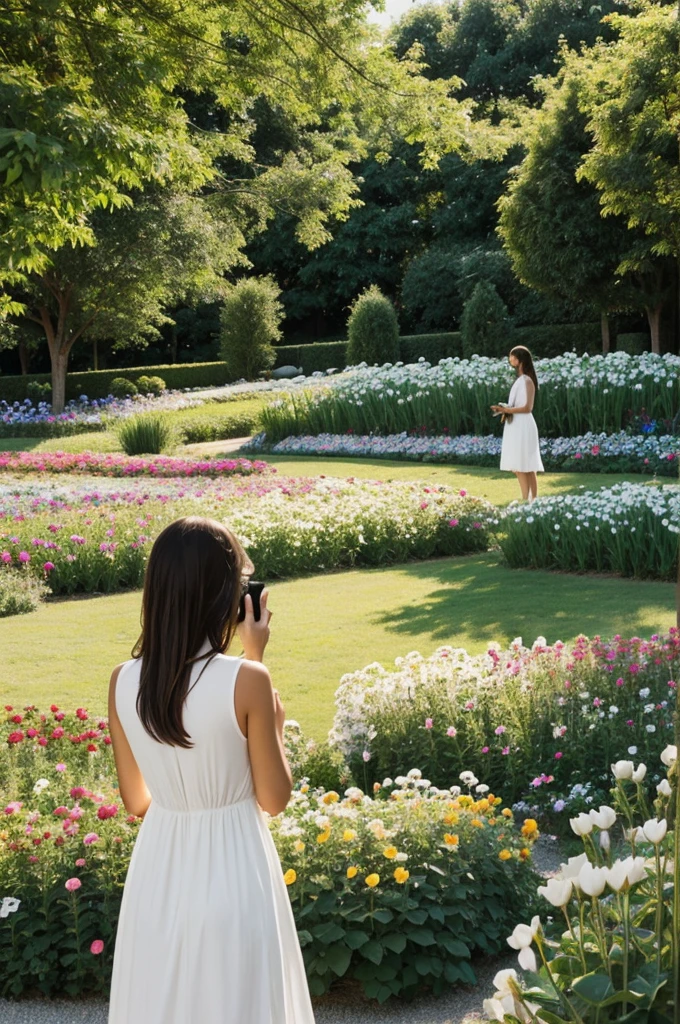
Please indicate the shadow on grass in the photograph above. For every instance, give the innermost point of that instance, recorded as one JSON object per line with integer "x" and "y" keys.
{"x": 477, "y": 596}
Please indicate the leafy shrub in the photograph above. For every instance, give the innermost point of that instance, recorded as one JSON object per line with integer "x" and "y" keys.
{"x": 634, "y": 344}
{"x": 249, "y": 326}
{"x": 317, "y": 356}
{"x": 97, "y": 383}
{"x": 147, "y": 434}
{"x": 38, "y": 392}
{"x": 533, "y": 721}
{"x": 20, "y": 592}
{"x": 546, "y": 341}
{"x": 431, "y": 347}
{"x": 121, "y": 387}
{"x": 485, "y": 327}
{"x": 151, "y": 385}
{"x": 318, "y": 765}
{"x": 384, "y": 889}
{"x": 217, "y": 427}
{"x": 372, "y": 329}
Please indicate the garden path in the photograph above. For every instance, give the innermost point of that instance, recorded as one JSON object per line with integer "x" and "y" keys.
{"x": 456, "y": 1007}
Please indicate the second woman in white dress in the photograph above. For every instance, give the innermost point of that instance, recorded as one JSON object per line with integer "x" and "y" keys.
{"x": 521, "y": 451}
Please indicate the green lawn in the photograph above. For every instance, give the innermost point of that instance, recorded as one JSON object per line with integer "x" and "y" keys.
{"x": 329, "y": 625}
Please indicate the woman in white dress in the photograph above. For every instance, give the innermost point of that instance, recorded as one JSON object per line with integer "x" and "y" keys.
{"x": 206, "y": 932}
{"x": 521, "y": 452}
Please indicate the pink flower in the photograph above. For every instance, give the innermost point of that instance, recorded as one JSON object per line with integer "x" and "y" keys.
{"x": 505, "y": 750}
{"x": 91, "y": 838}
{"x": 5, "y": 557}
{"x": 578, "y": 455}
{"x": 500, "y": 730}
{"x": 81, "y": 713}
{"x": 48, "y": 566}
{"x": 559, "y": 755}
{"x": 81, "y": 862}
{"x": 463, "y": 493}
{"x": 428, "y": 723}
{"x": 619, "y": 682}
{"x": 595, "y": 449}
{"x": 97, "y": 947}
{"x": 24, "y": 557}
{"x": 451, "y": 731}
{"x": 61, "y": 767}
{"x": 453, "y": 522}
{"x": 15, "y": 805}
{"x": 73, "y": 884}
{"x": 77, "y": 792}
{"x": 366, "y": 755}
{"x": 423, "y": 505}
{"x": 485, "y": 750}
{"x": 15, "y": 737}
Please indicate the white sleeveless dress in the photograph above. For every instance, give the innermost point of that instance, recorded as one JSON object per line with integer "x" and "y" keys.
{"x": 206, "y": 931}
{"x": 521, "y": 452}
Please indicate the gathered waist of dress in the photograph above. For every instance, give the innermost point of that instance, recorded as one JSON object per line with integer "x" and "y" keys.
{"x": 195, "y": 811}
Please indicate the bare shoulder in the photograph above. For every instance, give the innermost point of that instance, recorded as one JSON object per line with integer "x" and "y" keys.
{"x": 255, "y": 684}
{"x": 529, "y": 383}
{"x": 114, "y": 678}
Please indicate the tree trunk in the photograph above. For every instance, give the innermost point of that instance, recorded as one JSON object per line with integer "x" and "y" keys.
{"x": 654, "y": 318}
{"x": 59, "y": 364}
{"x": 606, "y": 333}
{"x": 23, "y": 356}
{"x": 173, "y": 343}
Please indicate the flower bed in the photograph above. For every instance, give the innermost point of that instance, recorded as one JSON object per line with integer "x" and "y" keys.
{"x": 95, "y": 464}
{"x": 384, "y": 888}
{"x": 591, "y": 453}
{"x": 577, "y": 394}
{"x": 83, "y": 415}
{"x": 97, "y": 540}
{"x": 539, "y": 724}
{"x": 619, "y": 956}
{"x": 630, "y": 529}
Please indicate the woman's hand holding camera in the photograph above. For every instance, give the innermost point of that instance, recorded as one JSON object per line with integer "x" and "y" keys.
{"x": 254, "y": 635}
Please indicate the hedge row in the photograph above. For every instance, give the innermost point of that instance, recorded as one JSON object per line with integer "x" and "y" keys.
{"x": 97, "y": 383}
{"x": 543, "y": 341}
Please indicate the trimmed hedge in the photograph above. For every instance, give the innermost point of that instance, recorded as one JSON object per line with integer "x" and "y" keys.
{"x": 321, "y": 355}
{"x": 553, "y": 340}
{"x": 432, "y": 347}
{"x": 634, "y": 344}
{"x": 97, "y": 383}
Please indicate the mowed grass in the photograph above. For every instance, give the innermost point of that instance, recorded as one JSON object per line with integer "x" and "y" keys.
{"x": 326, "y": 626}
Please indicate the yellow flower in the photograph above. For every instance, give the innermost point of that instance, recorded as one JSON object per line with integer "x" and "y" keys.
{"x": 324, "y": 836}
{"x": 506, "y": 812}
{"x": 331, "y": 797}
{"x": 299, "y": 846}
{"x": 304, "y": 789}
{"x": 476, "y": 823}
{"x": 452, "y": 818}
{"x": 390, "y": 852}
{"x": 524, "y": 853}
{"x": 352, "y": 872}
{"x": 492, "y": 821}
{"x": 372, "y": 880}
{"x": 401, "y": 875}
{"x": 483, "y": 806}
{"x": 290, "y": 876}
{"x": 497, "y": 800}
{"x": 451, "y": 840}
{"x": 4, "y": 835}
{"x": 505, "y": 854}
{"x": 465, "y": 801}
{"x": 348, "y": 835}
{"x": 530, "y": 829}
{"x": 491, "y": 798}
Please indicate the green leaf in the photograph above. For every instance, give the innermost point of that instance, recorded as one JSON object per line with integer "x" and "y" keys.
{"x": 373, "y": 951}
{"x": 593, "y": 988}
{"x": 550, "y": 1018}
{"x": 304, "y": 937}
{"x": 383, "y": 915}
{"x": 338, "y": 958}
{"x": 356, "y": 939}
{"x": 421, "y": 936}
{"x": 328, "y": 931}
{"x": 422, "y": 964}
{"x": 416, "y": 916}
{"x": 396, "y": 942}
{"x": 453, "y": 946}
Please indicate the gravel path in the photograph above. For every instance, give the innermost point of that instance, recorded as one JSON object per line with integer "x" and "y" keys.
{"x": 346, "y": 1007}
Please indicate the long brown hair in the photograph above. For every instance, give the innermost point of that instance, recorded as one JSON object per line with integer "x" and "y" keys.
{"x": 526, "y": 362}
{"x": 192, "y": 590}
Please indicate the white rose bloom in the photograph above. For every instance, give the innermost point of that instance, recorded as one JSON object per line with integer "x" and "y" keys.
{"x": 592, "y": 880}
{"x": 524, "y": 934}
{"x": 623, "y": 770}
{"x": 557, "y": 891}
{"x": 604, "y": 818}
{"x": 617, "y": 875}
{"x": 639, "y": 773}
{"x": 582, "y": 825}
{"x": 664, "y": 788}
{"x": 670, "y": 755}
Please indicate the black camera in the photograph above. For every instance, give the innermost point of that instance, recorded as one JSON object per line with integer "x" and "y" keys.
{"x": 255, "y": 590}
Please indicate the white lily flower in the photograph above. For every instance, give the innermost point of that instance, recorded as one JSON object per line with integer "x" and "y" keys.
{"x": 637, "y": 869}
{"x": 617, "y": 875}
{"x": 655, "y": 830}
{"x": 502, "y": 982}
{"x": 670, "y": 755}
{"x": 605, "y": 841}
{"x": 527, "y": 959}
{"x": 571, "y": 869}
{"x": 524, "y": 934}
{"x": 604, "y": 818}
{"x": 557, "y": 891}
{"x": 664, "y": 788}
{"x": 582, "y": 825}
{"x": 639, "y": 773}
{"x": 623, "y": 770}
{"x": 592, "y": 880}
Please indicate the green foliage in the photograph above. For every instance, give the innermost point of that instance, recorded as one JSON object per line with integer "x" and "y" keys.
{"x": 249, "y": 326}
{"x": 121, "y": 387}
{"x": 20, "y": 592}
{"x": 430, "y": 347}
{"x": 318, "y": 356}
{"x": 372, "y": 329}
{"x": 550, "y": 340}
{"x": 146, "y": 434}
{"x": 635, "y": 343}
{"x": 151, "y": 385}
{"x": 97, "y": 383}
{"x": 485, "y": 329}
{"x": 38, "y": 392}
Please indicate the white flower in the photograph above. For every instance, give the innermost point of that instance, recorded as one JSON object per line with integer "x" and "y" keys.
{"x": 617, "y": 875}
{"x": 655, "y": 830}
{"x": 604, "y": 818}
{"x": 670, "y": 755}
{"x": 557, "y": 891}
{"x": 664, "y": 788}
{"x": 644, "y": 693}
{"x": 9, "y": 905}
{"x": 524, "y": 934}
{"x": 632, "y": 751}
{"x": 481, "y": 788}
{"x": 605, "y": 841}
{"x": 592, "y": 880}
{"x": 636, "y": 869}
{"x": 527, "y": 959}
{"x": 401, "y": 857}
{"x": 571, "y": 869}
{"x": 40, "y": 785}
{"x": 639, "y": 773}
{"x": 387, "y": 783}
{"x": 582, "y": 825}
{"x": 623, "y": 770}
{"x": 468, "y": 779}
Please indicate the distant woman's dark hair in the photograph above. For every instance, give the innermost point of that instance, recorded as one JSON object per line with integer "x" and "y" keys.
{"x": 526, "y": 362}
{"x": 192, "y": 590}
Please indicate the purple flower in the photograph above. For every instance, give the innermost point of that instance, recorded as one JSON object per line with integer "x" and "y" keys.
{"x": 366, "y": 755}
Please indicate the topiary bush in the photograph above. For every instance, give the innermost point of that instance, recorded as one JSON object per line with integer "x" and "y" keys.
{"x": 151, "y": 385}
{"x": 121, "y": 387}
{"x": 19, "y": 592}
{"x": 146, "y": 434}
{"x": 372, "y": 329}
{"x": 485, "y": 326}
{"x": 249, "y": 326}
